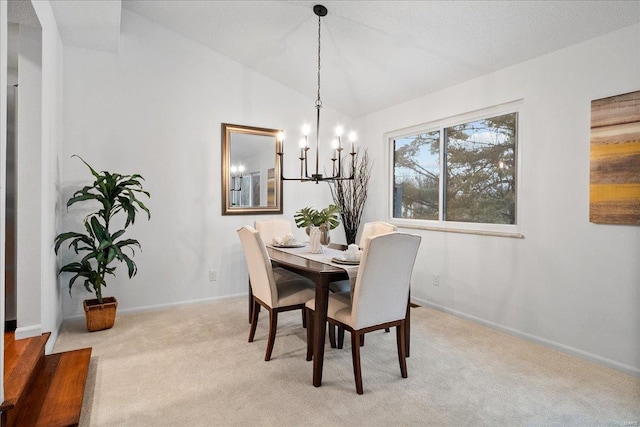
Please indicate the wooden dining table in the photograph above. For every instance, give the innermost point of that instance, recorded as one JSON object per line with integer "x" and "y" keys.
{"x": 321, "y": 274}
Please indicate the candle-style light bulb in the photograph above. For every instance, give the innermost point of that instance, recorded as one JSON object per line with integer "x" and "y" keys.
{"x": 303, "y": 145}
{"x": 241, "y": 169}
{"x": 339, "y": 131}
{"x": 335, "y": 144}
{"x": 234, "y": 169}
{"x": 352, "y": 139}
{"x": 306, "y": 129}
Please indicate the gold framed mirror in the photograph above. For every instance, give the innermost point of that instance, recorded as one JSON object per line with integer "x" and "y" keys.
{"x": 251, "y": 182}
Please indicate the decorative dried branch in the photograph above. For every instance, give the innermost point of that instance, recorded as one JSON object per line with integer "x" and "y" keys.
{"x": 350, "y": 195}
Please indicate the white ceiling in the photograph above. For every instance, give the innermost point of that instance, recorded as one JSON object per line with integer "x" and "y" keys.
{"x": 91, "y": 24}
{"x": 374, "y": 53}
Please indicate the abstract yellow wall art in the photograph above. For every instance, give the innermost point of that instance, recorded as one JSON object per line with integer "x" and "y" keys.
{"x": 614, "y": 196}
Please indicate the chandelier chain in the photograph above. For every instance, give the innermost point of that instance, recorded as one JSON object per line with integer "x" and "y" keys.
{"x": 318, "y": 101}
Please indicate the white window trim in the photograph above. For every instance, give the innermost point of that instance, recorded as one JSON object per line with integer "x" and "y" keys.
{"x": 500, "y": 230}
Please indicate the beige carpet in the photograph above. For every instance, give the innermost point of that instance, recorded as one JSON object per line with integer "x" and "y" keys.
{"x": 192, "y": 366}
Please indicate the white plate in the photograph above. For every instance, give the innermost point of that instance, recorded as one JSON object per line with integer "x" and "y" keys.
{"x": 291, "y": 245}
{"x": 345, "y": 261}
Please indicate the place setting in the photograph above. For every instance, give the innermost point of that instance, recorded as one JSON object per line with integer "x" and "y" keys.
{"x": 351, "y": 256}
{"x": 287, "y": 241}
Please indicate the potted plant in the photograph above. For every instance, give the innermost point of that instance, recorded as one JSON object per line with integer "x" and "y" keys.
{"x": 326, "y": 219}
{"x": 116, "y": 195}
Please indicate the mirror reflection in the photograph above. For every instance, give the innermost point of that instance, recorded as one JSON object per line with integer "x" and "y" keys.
{"x": 251, "y": 175}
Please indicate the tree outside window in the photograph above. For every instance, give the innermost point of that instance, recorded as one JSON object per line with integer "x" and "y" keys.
{"x": 417, "y": 176}
{"x": 477, "y": 174}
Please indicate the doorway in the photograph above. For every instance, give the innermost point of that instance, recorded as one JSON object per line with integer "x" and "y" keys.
{"x": 10, "y": 298}
{"x": 22, "y": 166}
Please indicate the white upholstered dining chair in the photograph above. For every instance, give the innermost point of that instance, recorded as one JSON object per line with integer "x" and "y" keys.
{"x": 274, "y": 288}
{"x": 272, "y": 228}
{"x": 369, "y": 229}
{"x": 380, "y": 296}
{"x": 268, "y": 230}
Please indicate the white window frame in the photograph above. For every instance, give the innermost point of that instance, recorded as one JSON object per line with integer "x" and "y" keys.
{"x": 503, "y": 230}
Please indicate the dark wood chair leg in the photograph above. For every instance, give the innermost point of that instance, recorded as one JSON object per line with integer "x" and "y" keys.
{"x": 309, "y": 316}
{"x": 355, "y": 354}
{"x": 304, "y": 319}
{"x": 387, "y": 330}
{"x": 250, "y": 303}
{"x": 361, "y": 340}
{"x": 254, "y": 319}
{"x": 407, "y": 328}
{"x": 273, "y": 325}
{"x": 332, "y": 335}
{"x": 401, "y": 349}
{"x": 340, "y": 337}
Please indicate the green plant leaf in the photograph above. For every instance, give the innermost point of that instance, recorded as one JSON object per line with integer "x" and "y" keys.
{"x": 93, "y": 172}
{"x": 111, "y": 255}
{"x": 133, "y": 269}
{"x": 81, "y": 197}
{"x": 62, "y": 237}
{"x": 117, "y": 234}
{"x": 98, "y": 230}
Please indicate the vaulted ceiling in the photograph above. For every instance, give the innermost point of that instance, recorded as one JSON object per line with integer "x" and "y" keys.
{"x": 374, "y": 53}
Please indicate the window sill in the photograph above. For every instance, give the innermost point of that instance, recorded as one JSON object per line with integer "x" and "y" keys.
{"x": 509, "y": 234}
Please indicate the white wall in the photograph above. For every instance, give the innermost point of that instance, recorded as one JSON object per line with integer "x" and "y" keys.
{"x": 156, "y": 108}
{"x": 569, "y": 283}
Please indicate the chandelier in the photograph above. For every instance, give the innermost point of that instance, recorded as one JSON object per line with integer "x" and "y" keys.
{"x": 236, "y": 184}
{"x": 337, "y": 169}
{"x": 236, "y": 177}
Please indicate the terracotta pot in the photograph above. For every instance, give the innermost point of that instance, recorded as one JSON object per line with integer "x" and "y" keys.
{"x": 100, "y": 316}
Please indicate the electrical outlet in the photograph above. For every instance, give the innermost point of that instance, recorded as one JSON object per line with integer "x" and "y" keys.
{"x": 213, "y": 275}
{"x": 436, "y": 279}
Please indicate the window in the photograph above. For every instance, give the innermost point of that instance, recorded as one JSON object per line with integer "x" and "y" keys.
{"x": 416, "y": 183}
{"x": 460, "y": 171}
{"x": 250, "y": 192}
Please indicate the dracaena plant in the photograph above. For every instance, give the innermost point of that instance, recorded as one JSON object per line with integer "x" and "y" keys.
{"x": 114, "y": 195}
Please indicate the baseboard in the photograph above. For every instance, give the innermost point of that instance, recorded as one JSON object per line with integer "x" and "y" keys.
{"x": 28, "y": 331}
{"x": 177, "y": 304}
{"x": 165, "y": 306}
{"x": 53, "y": 338}
{"x": 630, "y": 370}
